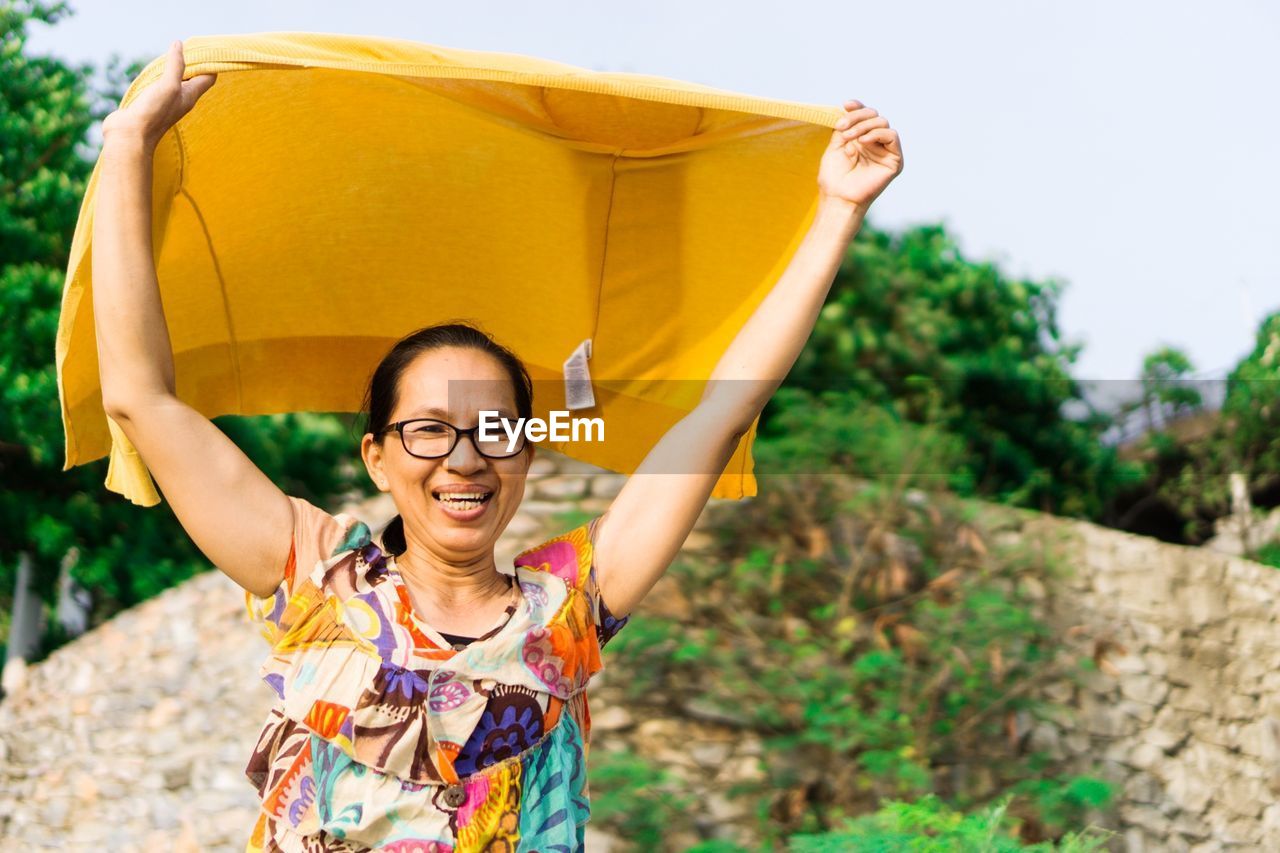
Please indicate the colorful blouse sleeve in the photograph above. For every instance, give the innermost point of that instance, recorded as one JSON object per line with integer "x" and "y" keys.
{"x": 317, "y": 536}
{"x": 607, "y": 625}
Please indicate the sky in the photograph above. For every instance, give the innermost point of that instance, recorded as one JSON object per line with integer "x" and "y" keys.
{"x": 1125, "y": 149}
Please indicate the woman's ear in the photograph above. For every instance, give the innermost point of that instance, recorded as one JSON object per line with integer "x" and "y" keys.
{"x": 371, "y": 453}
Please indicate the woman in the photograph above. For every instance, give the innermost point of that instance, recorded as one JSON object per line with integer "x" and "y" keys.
{"x": 426, "y": 699}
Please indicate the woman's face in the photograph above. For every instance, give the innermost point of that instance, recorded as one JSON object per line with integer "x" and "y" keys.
{"x": 453, "y": 385}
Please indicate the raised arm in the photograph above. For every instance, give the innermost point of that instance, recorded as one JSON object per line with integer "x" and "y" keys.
{"x": 649, "y": 520}
{"x": 233, "y": 512}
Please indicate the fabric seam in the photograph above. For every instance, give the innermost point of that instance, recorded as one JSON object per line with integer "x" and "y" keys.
{"x": 232, "y": 342}
{"x": 604, "y": 249}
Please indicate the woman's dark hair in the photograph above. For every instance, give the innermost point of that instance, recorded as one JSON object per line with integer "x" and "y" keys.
{"x": 382, "y": 396}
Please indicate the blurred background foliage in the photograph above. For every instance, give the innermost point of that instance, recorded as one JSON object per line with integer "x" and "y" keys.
{"x": 121, "y": 553}
{"x": 880, "y": 636}
{"x": 912, "y": 326}
{"x": 930, "y": 379}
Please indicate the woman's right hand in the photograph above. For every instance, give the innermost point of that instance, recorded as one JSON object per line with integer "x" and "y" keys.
{"x": 160, "y": 105}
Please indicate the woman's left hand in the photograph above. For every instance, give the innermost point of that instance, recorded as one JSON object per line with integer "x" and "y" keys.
{"x": 863, "y": 157}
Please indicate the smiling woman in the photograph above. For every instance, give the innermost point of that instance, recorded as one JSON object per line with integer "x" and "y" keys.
{"x": 388, "y": 733}
{"x": 482, "y": 733}
{"x": 452, "y": 371}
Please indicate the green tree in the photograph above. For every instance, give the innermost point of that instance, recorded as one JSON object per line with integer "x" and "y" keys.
{"x": 1164, "y": 395}
{"x": 1191, "y": 473}
{"x": 125, "y": 553}
{"x": 1252, "y": 405}
{"x": 912, "y": 325}
{"x": 45, "y": 110}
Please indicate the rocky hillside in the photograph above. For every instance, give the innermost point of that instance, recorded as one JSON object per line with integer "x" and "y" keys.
{"x": 135, "y": 736}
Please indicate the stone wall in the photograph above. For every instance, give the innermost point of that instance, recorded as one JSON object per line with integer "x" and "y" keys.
{"x": 1184, "y": 713}
{"x": 135, "y": 736}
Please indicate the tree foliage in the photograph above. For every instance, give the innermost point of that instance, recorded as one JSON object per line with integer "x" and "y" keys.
{"x": 911, "y": 325}
{"x": 1190, "y": 470}
{"x": 1165, "y": 394}
{"x": 124, "y": 554}
{"x": 1252, "y": 405}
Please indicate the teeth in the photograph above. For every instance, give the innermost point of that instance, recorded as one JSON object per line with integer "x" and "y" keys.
{"x": 460, "y": 501}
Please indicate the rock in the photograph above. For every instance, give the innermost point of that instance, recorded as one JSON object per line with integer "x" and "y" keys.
{"x": 1196, "y": 699}
{"x": 176, "y": 775}
{"x": 594, "y": 505}
{"x": 658, "y": 731}
{"x": 1140, "y": 711}
{"x": 542, "y": 508}
{"x": 1144, "y": 756}
{"x": 522, "y": 526}
{"x": 1046, "y": 738}
{"x": 699, "y": 540}
{"x": 1135, "y": 840}
{"x": 189, "y": 842}
{"x": 158, "y": 840}
{"x": 607, "y": 485}
{"x": 1033, "y": 587}
{"x": 612, "y": 718}
{"x": 710, "y": 755}
{"x": 560, "y": 488}
{"x": 1244, "y": 831}
{"x": 1077, "y": 742}
{"x": 1243, "y": 796}
{"x": 1187, "y": 788}
{"x": 13, "y": 679}
{"x": 598, "y": 841}
{"x": 541, "y": 466}
{"x": 1144, "y": 816}
{"x": 725, "y": 811}
{"x": 1060, "y": 691}
{"x": 165, "y": 712}
{"x": 1192, "y": 829}
{"x": 701, "y": 710}
{"x": 85, "y": 788}
{"x": 1144, "y": 688}
{"x": 741, "y": 768}
{"x": 1144, "y": 788}
{"x": 54, "y": 813}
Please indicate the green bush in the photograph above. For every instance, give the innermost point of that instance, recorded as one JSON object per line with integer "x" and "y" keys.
{"x": 873, "y": 635}
{"x": 929, "y": 826}
{"x": 1269, "y": 555}
{"x": 639, "y": 800}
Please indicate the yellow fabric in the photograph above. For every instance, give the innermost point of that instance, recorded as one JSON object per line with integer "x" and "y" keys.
{"x": 332, "y": 193}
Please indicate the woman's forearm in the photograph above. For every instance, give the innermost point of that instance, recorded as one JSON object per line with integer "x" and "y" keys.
{"x": 135, "y": 356}
{"x": 764, "y": 350}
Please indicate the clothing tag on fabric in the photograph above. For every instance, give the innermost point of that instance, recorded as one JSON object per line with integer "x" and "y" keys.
{"x": 577, "y": 379}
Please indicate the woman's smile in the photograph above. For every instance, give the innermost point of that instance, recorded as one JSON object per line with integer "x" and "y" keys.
{"x": 463, "y": 502}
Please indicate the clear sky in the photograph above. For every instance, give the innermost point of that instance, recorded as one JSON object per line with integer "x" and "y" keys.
{"x": 1124, "y": 148}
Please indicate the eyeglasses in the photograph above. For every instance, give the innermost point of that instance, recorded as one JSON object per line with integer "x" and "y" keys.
{"x": 431, "y": 439}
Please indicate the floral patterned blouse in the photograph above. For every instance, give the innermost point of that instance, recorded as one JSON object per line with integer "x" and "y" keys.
{"x": 384, "y": 735}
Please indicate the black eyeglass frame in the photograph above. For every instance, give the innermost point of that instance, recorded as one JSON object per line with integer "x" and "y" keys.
{"x": 458, "y": 433}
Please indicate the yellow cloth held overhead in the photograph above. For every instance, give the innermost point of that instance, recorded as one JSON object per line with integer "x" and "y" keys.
{"x": 331, "y": 194}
